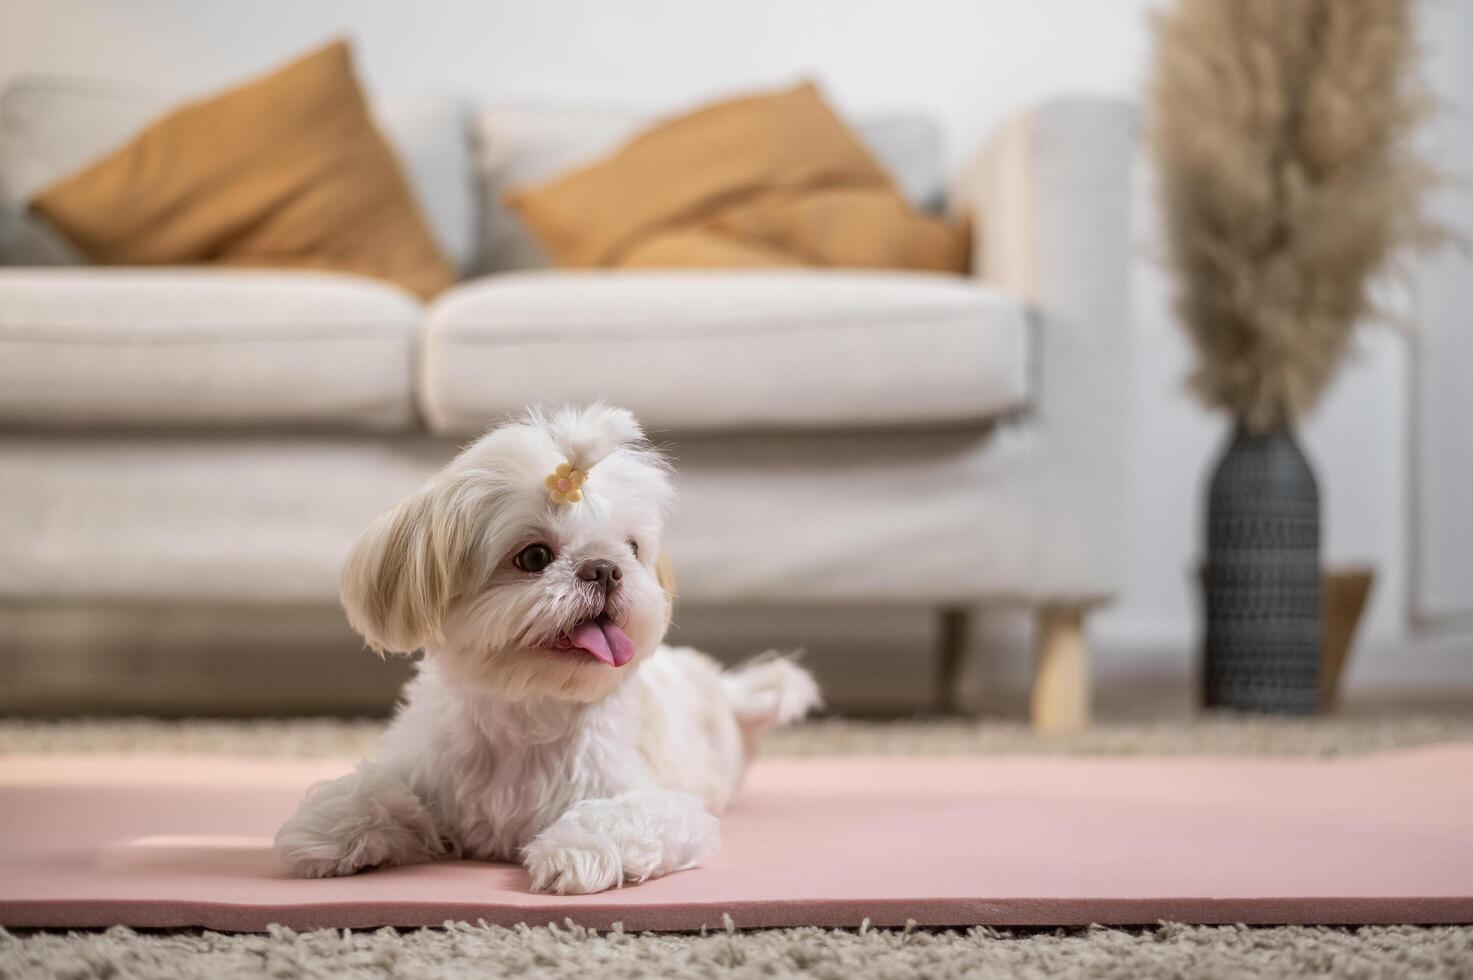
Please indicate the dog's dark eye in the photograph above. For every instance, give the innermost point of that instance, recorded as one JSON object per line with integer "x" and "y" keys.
{"x": 534, "y": 558}
{"x": 634, "y": 547}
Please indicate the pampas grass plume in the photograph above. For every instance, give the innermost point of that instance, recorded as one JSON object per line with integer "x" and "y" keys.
{"x": 1282, "y": 132}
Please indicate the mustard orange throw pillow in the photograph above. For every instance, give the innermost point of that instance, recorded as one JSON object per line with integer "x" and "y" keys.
{"x": 286, "y": 171}
{"x": 773, "y": 179}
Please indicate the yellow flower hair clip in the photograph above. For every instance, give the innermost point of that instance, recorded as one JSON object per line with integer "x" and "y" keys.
{"x": 565, "y": 484}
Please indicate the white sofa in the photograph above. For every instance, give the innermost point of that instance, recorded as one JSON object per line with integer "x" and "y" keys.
{"x": 186, "y": 454}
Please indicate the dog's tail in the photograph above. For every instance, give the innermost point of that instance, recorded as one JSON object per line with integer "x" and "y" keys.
{"x": 770, "y": 691}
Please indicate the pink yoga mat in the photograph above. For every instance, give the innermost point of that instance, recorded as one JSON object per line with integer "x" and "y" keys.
{"x": 185, "y": 841}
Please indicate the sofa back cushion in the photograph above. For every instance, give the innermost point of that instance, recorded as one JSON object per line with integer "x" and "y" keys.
{"x": 520, "y": 146}
{"x": 52, "y": 126}
{"x": 771, "y": 178}
{"x": 286, "y": 170}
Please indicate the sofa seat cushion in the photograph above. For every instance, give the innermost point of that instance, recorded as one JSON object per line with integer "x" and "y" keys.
{"x": 190, "y": 347}
{"x": 727, "y": 350}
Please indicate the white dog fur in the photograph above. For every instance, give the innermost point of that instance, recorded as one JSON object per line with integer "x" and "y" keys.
{"x": 509, "y": 744}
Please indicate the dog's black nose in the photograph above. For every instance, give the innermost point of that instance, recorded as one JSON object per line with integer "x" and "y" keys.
{"x": 602, "y": 571}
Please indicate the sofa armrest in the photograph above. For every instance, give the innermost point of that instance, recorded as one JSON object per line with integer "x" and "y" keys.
{"x": 1049, "y": 197}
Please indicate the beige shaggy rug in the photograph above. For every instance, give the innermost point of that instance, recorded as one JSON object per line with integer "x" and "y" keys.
{"x": 472, "y": 950}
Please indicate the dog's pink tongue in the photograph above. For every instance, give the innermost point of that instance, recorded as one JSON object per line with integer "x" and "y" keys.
{"x": 604, "y": 639}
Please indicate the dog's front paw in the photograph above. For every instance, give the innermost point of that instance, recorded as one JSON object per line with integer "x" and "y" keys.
{"x": 303, "y": 864}
{"x": 361, "y": 820}
{"x": 577, "y": 867}
{"x": 602, "y": 843}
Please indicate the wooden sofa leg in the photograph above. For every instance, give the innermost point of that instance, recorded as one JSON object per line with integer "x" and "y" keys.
{"x": 950, "y": 652}
{"x": 1060, "y": 701}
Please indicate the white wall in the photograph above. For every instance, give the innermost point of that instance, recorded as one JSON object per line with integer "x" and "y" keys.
{"x": 969, "y": 63}
{"x": 1442, "y": 532}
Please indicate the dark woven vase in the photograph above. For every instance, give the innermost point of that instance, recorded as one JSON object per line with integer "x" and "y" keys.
{"x": 1261, "y": 578}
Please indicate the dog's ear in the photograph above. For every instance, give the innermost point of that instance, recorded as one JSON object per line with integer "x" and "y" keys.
{"x": 404, "y": 570}
{"x": 665, "y": 575}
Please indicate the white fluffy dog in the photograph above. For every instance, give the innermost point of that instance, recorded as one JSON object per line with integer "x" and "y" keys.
{"x": 546, "y": 723}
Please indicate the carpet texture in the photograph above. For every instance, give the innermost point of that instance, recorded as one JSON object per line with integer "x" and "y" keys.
{"x": 1167, "y": 951}
{"x": 1346, "y": 733}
